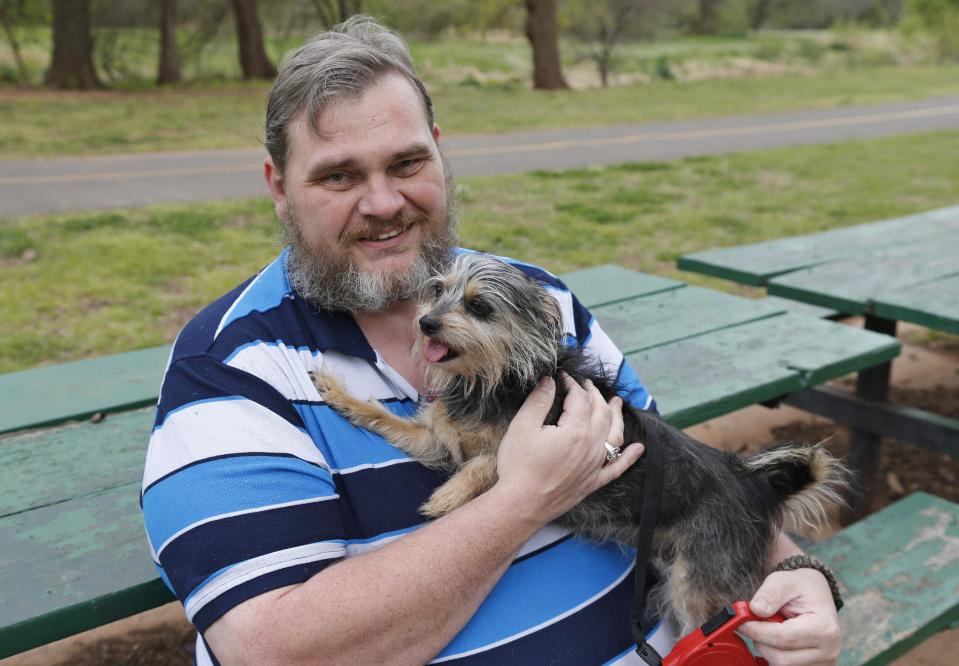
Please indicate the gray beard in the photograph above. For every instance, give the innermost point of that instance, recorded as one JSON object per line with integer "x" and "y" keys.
{"x": 335, "y": 283}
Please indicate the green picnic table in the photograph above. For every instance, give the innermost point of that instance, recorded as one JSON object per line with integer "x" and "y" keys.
{"x": 902, "y": 269}
{"x": 73, "y": 554}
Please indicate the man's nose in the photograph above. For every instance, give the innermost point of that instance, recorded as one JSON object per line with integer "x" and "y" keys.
{"x": 381, "y": 199}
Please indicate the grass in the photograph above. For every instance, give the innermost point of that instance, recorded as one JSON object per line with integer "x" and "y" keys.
{"x": 42, "y": 123}
{"x": 80, "y": 285}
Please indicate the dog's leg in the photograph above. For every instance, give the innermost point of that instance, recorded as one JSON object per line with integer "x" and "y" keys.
{"x": 410, "y": 435}
{"x": 476, "y": 476}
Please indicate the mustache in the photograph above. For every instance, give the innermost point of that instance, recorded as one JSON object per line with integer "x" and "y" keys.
{"x": 371, "y": 227}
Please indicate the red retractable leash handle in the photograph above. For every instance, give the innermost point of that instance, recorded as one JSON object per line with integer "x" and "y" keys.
{"x": 716, "y": 643}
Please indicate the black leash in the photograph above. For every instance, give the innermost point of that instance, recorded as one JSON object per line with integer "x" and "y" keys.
{"x": 652, "y": 490}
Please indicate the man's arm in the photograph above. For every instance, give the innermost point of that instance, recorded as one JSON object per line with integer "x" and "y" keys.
{"x": 404, "y": 602}
{"x": 810, "y": 634}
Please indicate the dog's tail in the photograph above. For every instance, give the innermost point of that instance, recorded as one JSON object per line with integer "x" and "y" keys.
{"x": 804, "y": 480}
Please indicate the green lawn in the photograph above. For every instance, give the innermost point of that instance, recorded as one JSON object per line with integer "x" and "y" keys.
{"x": 87, "y": 284}
{"x": 230, "y": 114}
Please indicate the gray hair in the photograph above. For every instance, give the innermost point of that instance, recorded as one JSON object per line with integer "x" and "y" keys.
{"x": 336, "y": 64}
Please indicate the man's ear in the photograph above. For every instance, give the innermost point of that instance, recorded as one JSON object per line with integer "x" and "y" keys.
{"x": 436, "y": 133}
{"x": 274, "y": 181}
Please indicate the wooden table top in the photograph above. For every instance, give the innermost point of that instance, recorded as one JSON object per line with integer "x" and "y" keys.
{"x": 903, "y": 269}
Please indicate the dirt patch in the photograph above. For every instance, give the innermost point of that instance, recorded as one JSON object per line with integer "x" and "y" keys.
{"x": 926, "y": 377}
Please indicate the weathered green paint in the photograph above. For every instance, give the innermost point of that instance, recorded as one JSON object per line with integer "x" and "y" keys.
{"x": 602, "y": 285}
{"x": 44, "y": 467}
{"x": 756, "y": 263}
{"x": 852, "y": 285}
{"x": 693, "y": 380}
{"x": 707, "y": 376}
{"x": 76, "y": 390}
{"x": 797, "y": 307}
{"x": 934, "y": 304}
{"x": 677, "y": 314}
{"x": 899, "y": 573}
{"x": 70, "y": 566}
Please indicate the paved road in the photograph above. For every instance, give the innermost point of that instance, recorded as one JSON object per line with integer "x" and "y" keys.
{"x": 56, "y": 185}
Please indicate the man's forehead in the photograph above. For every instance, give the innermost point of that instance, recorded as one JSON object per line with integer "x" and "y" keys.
{"x": 389, "y": 114}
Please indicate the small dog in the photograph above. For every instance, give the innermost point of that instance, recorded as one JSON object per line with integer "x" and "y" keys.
{"x": 488, "y": 333}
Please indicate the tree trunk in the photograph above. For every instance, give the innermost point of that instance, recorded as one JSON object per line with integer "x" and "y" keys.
{"x": 71, "y": 66}
{"x": 23, "y": 76}
{"x": 169, "y": 55}
{"x": 759, "y": 14}
{"x": 542, "y": 34}
{"x": 249, "y": 34}
{"x": 707, "y": 21}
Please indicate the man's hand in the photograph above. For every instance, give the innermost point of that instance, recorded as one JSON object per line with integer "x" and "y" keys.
{"x": 810, "y": 634}
{"x": 552, "y": 468}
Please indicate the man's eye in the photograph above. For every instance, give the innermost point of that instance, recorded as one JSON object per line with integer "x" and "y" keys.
{"x": 336, "y": 179}
{"x": 409, "y": 167}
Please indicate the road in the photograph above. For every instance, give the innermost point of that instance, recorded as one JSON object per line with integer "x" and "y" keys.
{"x": 119, "y": 181}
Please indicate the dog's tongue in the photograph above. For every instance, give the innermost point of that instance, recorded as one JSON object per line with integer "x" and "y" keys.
{"x": 433, "y": 351}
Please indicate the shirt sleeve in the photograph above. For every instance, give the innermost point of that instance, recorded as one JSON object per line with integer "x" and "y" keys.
{"x": 584, "y": 330}
{"x": 237, "y": 498}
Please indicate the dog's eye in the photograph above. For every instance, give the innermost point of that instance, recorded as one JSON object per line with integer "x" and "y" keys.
{"x": 478, "y": 307}
{"x": 437, "y": 290}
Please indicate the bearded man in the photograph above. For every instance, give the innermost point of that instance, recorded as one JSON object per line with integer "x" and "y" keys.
{"x": 291, "y": 536}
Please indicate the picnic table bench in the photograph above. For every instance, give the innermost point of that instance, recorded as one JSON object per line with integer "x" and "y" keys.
{"x": 73, "y": 554}
{"x": 902, "y": 269}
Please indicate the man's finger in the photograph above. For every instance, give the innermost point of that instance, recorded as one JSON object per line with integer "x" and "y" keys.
{"x": 793, "y": 634}
{"x": 615, "y": 469}
{"x": 615, "y": 435}
{"x": 534, "y": 409}
{"x": 575, "y": 405}
{"x": 772, "y": 595}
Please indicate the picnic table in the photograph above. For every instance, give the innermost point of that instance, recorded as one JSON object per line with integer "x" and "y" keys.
{"x": 73, "y": 554}
{"x": 902, "y": 269}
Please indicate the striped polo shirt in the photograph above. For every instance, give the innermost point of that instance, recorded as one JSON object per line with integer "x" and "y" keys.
{"x": 252, "y": 483}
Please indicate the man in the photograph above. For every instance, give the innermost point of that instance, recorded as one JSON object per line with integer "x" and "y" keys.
{"x": 291, "y": 536}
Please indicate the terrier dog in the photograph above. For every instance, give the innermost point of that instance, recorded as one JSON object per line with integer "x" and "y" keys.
{"x": 488, "y": 333}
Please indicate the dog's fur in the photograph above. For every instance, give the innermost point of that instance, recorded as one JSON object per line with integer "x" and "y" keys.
{"x": 501, "y": 332}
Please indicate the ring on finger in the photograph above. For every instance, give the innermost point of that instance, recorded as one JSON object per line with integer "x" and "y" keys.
{"x": 612, "y": 452}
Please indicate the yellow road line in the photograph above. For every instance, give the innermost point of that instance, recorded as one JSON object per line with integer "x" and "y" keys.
{"x": 710, "y": 133}
{"x": 865, "y": 119}
{"x": 121, "y": 175}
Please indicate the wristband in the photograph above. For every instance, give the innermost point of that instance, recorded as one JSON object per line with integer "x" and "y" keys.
{"x": 813, "y": 562}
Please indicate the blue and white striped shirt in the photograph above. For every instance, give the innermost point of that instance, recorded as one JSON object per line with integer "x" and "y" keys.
{"x": 252, "y": 483}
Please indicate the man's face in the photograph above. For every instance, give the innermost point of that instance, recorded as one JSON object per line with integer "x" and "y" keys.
{"x": 365, "y": 200}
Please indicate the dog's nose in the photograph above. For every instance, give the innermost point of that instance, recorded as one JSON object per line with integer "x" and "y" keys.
{"x": 428, "y": 325}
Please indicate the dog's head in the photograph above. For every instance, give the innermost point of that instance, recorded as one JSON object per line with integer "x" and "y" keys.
{"x": 486, "y": 321}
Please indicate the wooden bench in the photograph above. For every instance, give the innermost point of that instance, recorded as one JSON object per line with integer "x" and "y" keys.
{"x": 73, "y": 554}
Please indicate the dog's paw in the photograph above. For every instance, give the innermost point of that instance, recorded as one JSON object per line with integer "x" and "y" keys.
{"x": 441, "y": 502}
{"x": 328, "y": 384}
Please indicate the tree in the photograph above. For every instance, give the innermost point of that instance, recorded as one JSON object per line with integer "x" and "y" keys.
{"x": 169, "y": 69}
{"x": 249, "y": 34}
{"x": 759, "y": 12}
{"x": 332, "y": 12}
{"x": 706, "y": 21}
{"x": 71, "y": 66}
{"x": 10, "y": 13}
{"x": 543, "y": 37}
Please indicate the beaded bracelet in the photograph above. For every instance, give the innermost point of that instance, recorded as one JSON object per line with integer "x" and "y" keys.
{"x": 813, "y": 562}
